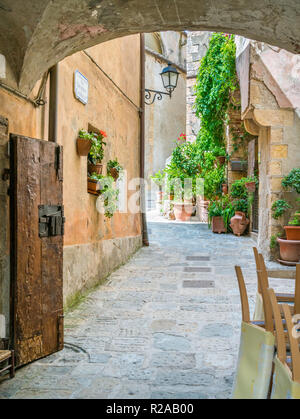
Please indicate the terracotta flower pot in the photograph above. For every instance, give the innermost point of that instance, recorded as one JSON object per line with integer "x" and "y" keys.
{"x": 95, "y": 168}
{"x": 239, "y": 222}
{"x": 289, "y": 250}
{"x": 225, "y": 188}
{"x": 114, "y": 173}
{"x": 292, "y": 232}
{"x": 251, "y": 186}
{"x": 93, "y": 187}
{"x": 217, "y": 225}
{"x": 221, "y": 160}
{"x": 171, "y": 197}
{"x": 159, "y": 196}
{"x": 183, "y": 211}
{"x": 83, "y": 146}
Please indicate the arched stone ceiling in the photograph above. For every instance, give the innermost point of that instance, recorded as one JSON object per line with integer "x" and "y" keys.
{"x": 35, "y": 34}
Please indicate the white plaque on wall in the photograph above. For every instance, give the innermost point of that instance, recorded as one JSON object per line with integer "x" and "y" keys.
{"x": 81, "y": 87}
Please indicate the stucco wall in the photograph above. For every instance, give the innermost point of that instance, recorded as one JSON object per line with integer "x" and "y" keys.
{"x": 165, "y": 120}
{"x": 94, "y": 245}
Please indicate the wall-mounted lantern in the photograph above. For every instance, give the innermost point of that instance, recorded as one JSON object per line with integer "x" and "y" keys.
{"x": 169, "y": 77}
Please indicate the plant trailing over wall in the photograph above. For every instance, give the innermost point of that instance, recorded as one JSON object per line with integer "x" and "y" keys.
{"x": 216, "y": 82}
{"x": 108, "y": 193}
{"x": 114, "y": 168}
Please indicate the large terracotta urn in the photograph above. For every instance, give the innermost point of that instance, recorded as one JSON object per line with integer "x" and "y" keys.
{"x": 183, "y": 211}
{"x": 239, "y": 222}
{"x": 289, "y": 251}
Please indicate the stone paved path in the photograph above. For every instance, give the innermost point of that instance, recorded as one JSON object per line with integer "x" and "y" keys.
{"x": 149, "y": 332}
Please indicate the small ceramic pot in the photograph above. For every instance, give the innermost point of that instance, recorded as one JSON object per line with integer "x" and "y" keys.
{"x": 95, "y": 168}
{"x": 114, "y": 173}
{"x": 251, "y": 186}
{"x": 217, "y": 225}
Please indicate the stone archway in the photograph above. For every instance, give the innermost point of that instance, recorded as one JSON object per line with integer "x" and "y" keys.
{"x": 36, "y": 34}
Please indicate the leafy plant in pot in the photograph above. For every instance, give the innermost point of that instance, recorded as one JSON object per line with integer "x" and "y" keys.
{"x": 114, "y": 168}
{"x": 84, "y": 142}
{"x": 158, "y": 179}
{"x": 96, "y": 153}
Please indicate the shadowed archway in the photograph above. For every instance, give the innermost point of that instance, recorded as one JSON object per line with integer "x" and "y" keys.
{"x": 36, "y": 34}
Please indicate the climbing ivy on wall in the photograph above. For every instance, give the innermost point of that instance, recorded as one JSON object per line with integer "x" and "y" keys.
{"x": 216, "y": 81}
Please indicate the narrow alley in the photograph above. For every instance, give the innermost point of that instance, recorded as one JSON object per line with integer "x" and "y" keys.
{"x": 165, "y": 325}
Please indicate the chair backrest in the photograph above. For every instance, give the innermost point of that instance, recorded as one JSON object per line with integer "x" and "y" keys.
{"x": 297, "y": 290}
{"x": 294, "y": 343}
{"x": 258, "y": 268}
{"x": 243, "y": 295}
{"x": 262, "y": 276}
{"x": 280, "y": 334}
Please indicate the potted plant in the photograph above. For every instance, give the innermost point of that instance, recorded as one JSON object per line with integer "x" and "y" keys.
{"x": 215, "y": 214}
{"x": 114, "y": 168}
{"x": 220, "y": 154}
{"x": 239, "y": 222}
{"x": 158, "y": 179}
{"x": 84, "y": 142}
{"x": 292, "y": 182}
{"x": 96, "y": 153}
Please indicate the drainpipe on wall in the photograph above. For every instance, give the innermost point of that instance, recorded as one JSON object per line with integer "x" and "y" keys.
{"x": 142, "y": 141}
{"x": 53, "y": 104}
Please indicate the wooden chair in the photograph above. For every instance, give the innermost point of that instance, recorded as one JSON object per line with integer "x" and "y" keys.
{"x": 286, "y": 375}
{"x": 262, "y": 278}
{"x": 256, "y": 353}
{"x": 6, "y": 355}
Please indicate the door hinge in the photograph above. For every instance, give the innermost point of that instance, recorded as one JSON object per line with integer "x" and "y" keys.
{"x": 51, "y": 220}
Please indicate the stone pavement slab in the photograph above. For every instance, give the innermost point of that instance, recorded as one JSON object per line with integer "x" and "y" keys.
{"x": 144, "y": 333}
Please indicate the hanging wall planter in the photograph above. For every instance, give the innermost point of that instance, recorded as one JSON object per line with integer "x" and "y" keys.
{"x": 93, "y": 186}
{"x": 83, "y": 146}
{"x": 95, "y": 168}
{"x": 250, "y": 186}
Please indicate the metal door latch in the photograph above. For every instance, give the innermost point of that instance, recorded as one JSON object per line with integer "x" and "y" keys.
{"x": 51, "y": 220}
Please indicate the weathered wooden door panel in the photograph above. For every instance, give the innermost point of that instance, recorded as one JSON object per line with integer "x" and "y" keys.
{"x": 36, "y": 262}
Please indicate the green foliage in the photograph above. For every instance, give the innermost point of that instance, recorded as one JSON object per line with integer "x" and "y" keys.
{"x": 295, "y": 220}
{"x": 108, "y": 193}
{"x": 279, "y": 208}
{"x": 85, "y": 135}
{"x": 216, "y": 80}
{"x": 239, "y": 190}
{"x": 241, "y": 205}
{"x": 292, "y": 180}
{"x": 158, "y": 178}
{"x": 96, "y": 153}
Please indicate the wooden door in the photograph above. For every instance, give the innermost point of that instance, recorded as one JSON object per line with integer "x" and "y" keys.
{"x": 36, "y": 248}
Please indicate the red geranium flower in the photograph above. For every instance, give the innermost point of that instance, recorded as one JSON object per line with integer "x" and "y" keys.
{"x": 103, "y": 133}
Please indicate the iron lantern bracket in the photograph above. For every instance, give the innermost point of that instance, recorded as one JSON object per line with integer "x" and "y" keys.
{"x": 152, "y": 95}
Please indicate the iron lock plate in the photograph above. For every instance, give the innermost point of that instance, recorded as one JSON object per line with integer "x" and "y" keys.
{"x": 51, "y": 220}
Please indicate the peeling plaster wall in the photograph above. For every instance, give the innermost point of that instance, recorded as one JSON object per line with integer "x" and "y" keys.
{"x": 94, "y": 245}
